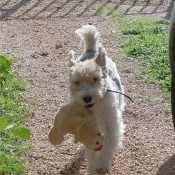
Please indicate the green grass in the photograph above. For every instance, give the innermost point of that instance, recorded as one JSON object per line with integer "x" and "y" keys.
{"x": 147, "y": 41}
{"x": 144, "y": 40}
{"x": 13, "y": 107}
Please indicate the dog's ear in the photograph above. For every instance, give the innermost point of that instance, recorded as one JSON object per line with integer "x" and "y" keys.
{"x": 72, "y": 58}
{"x": 101, "y": 57}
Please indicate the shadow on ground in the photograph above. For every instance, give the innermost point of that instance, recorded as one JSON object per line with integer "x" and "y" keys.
{"x": 75, "y": 165}
{"x": 27, "y": 9}
{"x": 168, "y": 168}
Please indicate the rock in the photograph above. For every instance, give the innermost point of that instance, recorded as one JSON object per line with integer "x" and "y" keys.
{"x": 45, "y": 53}
{"x": 58, "y": 46}
{"x": 35, "y": 55}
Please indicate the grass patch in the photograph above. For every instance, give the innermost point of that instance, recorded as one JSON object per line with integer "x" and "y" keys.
{"x": 147, "y": 41}
{"x": 13, "y": 107}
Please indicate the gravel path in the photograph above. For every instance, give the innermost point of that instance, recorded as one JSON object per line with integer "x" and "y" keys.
{"x": 42, "y": 33}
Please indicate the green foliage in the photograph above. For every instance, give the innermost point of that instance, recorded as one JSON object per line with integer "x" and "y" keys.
{"x": 147, "y": 41}
{"x": 22, "y": 132}
{"x": 11, "y": 164}
{"x": 4, "y": 68}
{"x": 12, "y": 110}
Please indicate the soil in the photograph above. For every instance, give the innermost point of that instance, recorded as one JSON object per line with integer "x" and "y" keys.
{"x": 41, "y": 33}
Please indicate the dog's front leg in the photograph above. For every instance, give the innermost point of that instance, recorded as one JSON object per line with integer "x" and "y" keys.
{"x": 91, "y": 157}
{"x": 112, "y": 141}
{"x": 103, "y": 162}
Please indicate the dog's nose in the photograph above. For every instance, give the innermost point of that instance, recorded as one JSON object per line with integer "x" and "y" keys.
{"x": 87, "y": 99}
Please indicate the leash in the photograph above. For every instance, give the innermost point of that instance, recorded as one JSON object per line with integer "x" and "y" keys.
{"x": 108, "y": 90}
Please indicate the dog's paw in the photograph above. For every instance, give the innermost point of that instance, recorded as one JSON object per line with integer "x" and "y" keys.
{"x": 102, "y": 170}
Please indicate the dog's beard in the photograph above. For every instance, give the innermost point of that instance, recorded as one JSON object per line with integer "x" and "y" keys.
{"x": 90, "y": 106}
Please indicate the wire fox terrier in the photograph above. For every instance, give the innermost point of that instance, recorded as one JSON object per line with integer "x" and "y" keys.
{"x": 91, "y": 76}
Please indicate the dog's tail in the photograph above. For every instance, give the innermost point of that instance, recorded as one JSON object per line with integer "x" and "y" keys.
{"x": 90, "y": 36}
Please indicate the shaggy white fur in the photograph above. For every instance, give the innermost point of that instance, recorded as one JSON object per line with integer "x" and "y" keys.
{"x": 91, "y": 75}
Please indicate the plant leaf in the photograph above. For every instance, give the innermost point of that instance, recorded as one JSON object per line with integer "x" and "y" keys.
{"x": 22, "y": 132}
{"x": 5, "y": 169}
{"x": 3, "y": 123}
{"x": 4, "y": 64}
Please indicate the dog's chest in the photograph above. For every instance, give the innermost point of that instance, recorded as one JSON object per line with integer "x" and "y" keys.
{"x": 105, "y": 111}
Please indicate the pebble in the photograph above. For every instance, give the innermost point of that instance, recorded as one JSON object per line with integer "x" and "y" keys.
{"x": 45, "y": 53}
{"x": 58, "y": 46}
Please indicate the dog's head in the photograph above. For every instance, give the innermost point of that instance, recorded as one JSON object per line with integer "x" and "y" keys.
{"x": 88, "y": 79}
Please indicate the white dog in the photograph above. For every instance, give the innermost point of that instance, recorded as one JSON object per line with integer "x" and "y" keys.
{"x": 91, "y": 75}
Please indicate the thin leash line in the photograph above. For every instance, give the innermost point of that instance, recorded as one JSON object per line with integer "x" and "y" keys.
{"x": 108, "y": 90}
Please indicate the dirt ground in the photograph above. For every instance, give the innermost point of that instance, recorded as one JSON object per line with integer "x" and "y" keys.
{"x": 41, "y": 33}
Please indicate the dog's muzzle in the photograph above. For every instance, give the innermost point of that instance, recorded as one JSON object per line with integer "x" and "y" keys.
{"x": 89, "y": 106}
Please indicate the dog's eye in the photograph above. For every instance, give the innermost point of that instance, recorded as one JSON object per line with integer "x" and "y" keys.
{"x": 77, "y": 82}
{"x": 94, "y": 79}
